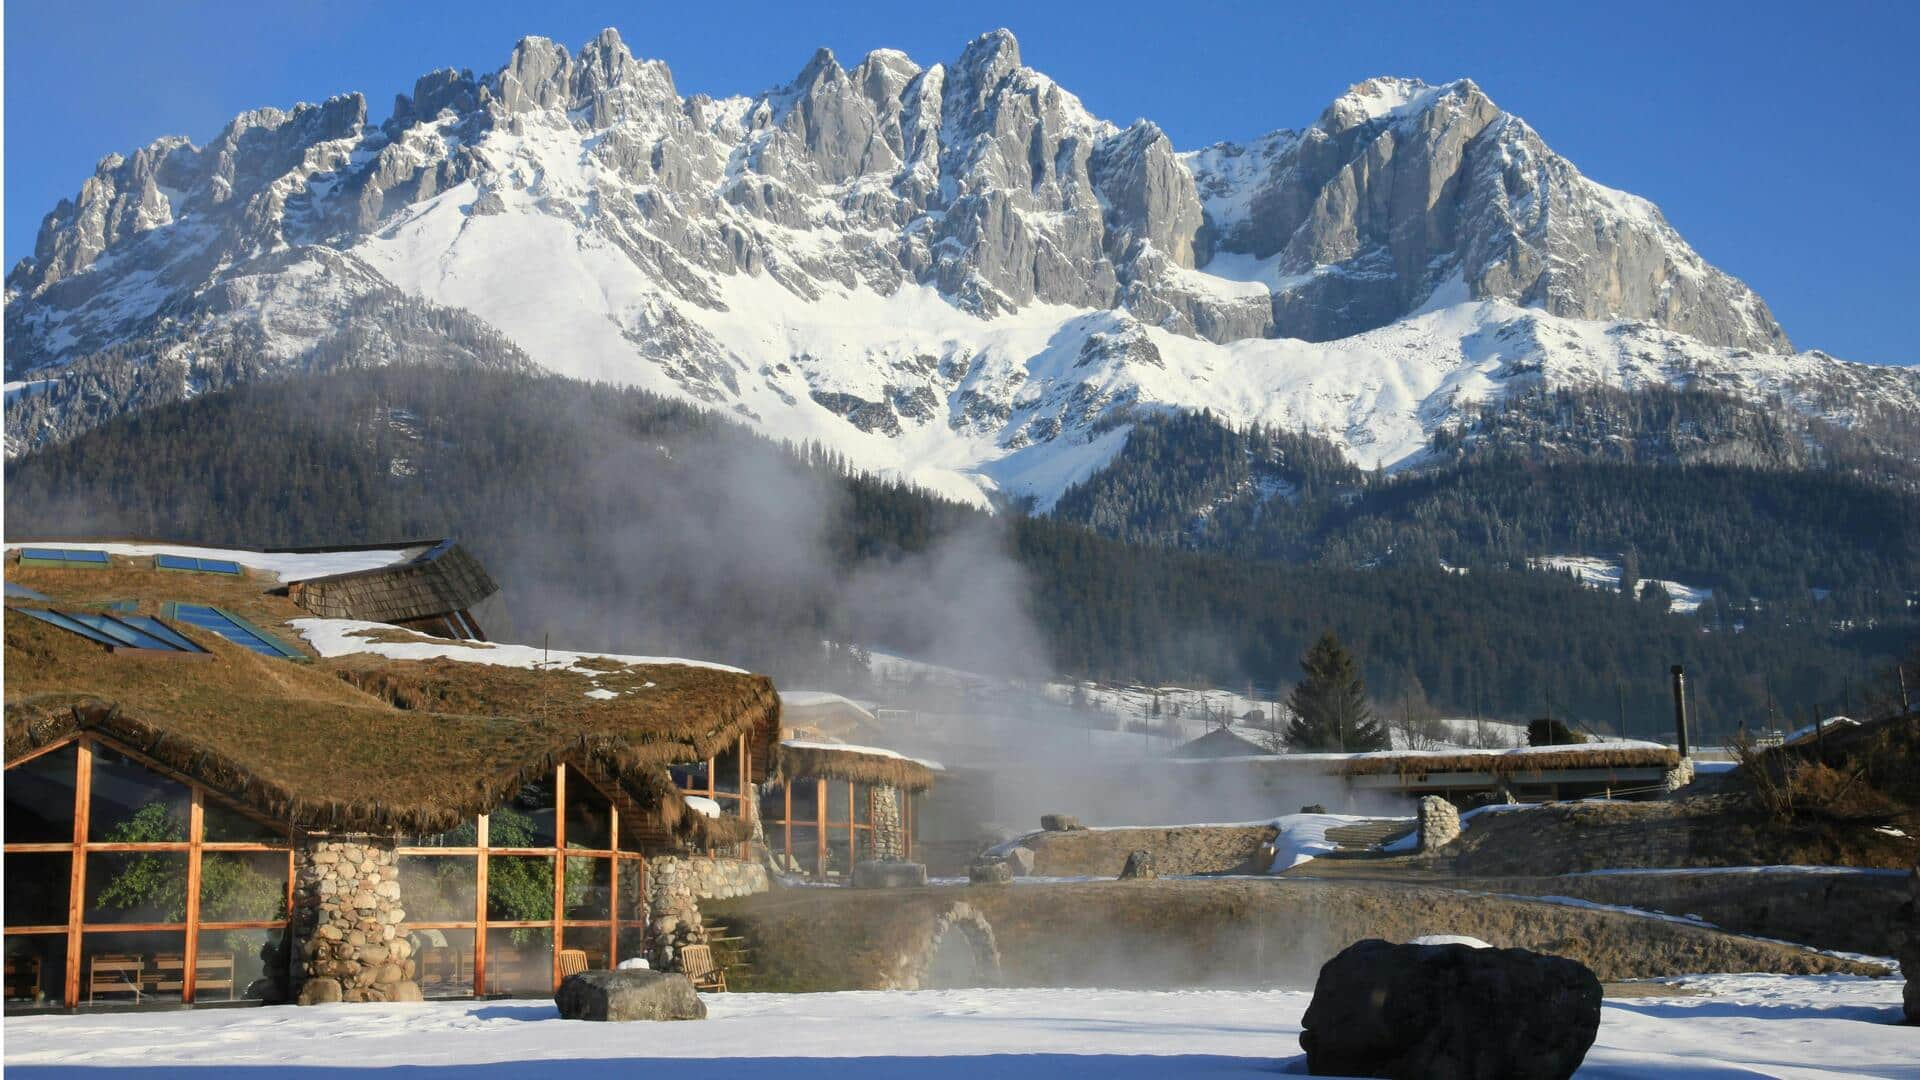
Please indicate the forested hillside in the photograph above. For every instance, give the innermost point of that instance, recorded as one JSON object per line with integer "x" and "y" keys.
{"x": 616, "y": 519}
{"x": 1689, "y": 487}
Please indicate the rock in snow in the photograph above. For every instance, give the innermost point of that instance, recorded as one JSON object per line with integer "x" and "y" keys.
{"x": 628, "y": 994}
{"x": 1450, "y": 1012}
{"x": 955, "y": 273}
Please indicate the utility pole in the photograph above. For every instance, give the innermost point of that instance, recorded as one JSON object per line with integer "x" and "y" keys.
{"x": 1680, "y": 706}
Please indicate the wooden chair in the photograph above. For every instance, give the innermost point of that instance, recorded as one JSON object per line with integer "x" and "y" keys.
{"x": 23, "y": 977}
{"x": 213, "y": 971}
{"x": 572, "y": 962}
{"x": 114, "y": 973}
{"x": 696, "y": 963}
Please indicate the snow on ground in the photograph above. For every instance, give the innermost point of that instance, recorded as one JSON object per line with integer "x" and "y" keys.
{"x": 1303, "y": 837}
{"x": 1597, "y": 573}
{"x": 287, "y": 565}
{"x": 1737, "y": 1025}
{"x": 1450, "y": 939}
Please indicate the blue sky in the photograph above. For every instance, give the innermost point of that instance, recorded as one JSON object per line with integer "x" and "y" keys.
{"x": 1777, "y": 137}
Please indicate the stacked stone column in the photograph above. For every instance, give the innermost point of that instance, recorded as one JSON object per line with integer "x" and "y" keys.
{"x": 347, "y": 925}
{"x": 675, "y": 887}
{"x": 889, "y": 832}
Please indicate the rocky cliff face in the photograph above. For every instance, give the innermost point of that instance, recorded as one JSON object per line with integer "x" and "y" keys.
{"x": 948, "y": 264}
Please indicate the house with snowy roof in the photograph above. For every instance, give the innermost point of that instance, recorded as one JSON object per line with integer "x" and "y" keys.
{"x": 251, "y": 775}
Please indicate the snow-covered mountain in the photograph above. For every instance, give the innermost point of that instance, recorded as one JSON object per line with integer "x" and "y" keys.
{"x": 954, "y": 272}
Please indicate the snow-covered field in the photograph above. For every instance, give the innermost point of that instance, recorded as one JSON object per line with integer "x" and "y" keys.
{"x": 1737, "y": 1025}
{"x": 1603, "y": 574}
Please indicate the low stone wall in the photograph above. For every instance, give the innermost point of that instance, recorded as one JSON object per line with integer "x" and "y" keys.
{"x": 1838, "y": 909}
{"x": 675, "y": 887}
{"x": 347, "y": 923}
{"x": 1186, "y": 849}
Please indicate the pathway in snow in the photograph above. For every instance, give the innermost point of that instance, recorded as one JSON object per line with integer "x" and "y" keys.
{"x": 1739, "y": 1025}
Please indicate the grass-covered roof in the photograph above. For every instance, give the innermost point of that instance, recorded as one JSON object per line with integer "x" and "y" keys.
{"x": 360, "y": 742}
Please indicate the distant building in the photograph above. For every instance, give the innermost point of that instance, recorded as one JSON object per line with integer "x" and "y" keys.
{"x": 1219, "y": 743}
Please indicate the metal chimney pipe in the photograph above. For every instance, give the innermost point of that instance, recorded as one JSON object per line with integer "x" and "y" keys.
{"x": 1680, "y": 706}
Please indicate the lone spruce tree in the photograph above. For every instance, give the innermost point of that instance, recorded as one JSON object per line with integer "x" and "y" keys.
{"x": 1330, "y": 703}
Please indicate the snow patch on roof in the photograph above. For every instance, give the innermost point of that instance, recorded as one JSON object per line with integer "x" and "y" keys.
{"x": 853, "y": 748}
{"x": 345, "y": 637}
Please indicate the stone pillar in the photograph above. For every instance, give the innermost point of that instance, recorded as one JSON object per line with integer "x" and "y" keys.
{"x": 1439, "y": 823}
{"x": 889, "y": 831}
{"x": 675, "y": 887}
{"x": 1679, "y": 776}
{"x": 348, "y": 944}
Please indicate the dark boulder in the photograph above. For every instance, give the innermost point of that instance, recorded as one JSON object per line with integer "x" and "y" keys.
{"x": 1313, "y": 808}
{"x": 990, "y": 872}
{"x": 1450, "y": 1012}
{"x": 1139, "y": 867}
{"x": 632, "y": 994}
{"x": 874, "y": 874}
{"x": 1060, "y": 823}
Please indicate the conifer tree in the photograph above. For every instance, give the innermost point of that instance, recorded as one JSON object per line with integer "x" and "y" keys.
{"x": 1330, "y": 703}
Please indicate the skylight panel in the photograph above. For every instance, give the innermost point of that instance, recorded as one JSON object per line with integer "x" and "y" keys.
{"x": 38, "y": 556}
{"x": 21, "y": 592}
{"x": 190, "y": 563}
{"x": 141, "y": 632}
{"x": 233, "y": 628}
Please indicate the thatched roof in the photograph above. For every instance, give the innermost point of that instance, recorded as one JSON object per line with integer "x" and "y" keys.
{"x": 803, "y": 760}
{"x": 1510, "y": 762}
{"x": 362, "y": 742}
{"x": 442, "y": 579}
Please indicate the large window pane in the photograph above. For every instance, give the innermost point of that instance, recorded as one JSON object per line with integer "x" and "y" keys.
{"x": 589, "y": 888}
{"x": 133, "y": 804}
{"x": 726, "y": 771}
{"x": 136, "y": 887}
{"x": 633, "y": 889}
{"x": 36, "y": 970}
{"x": 464, "y": 835}
{"x": 589, "y": 944}
{"x": 224, "y": 825}
{"x": 589, "y": 816}
{"x": 806, "y": 800}
{"x": 527, "y": 821}
{"x": 242, "y": 965}
{"x": 691, "y": 776}
{"x": 839, "y": 802}
{"x": 839, "y": 861}
{"x": 443, "y": 962}
{"x": 40, "y": 798}
{"x": 519, "y": 888}
{"x": 132, "y": 969}
{"x": 633, "y": 941}
{"x": 862, "y": 804}
{"x": 37, "y": 887}
{"x": 520, "y": 962}
{"x": 806, "y": 849}
{"x": 438, "y": 888}
{"x": 773, "y": 804}
{"x": 242, "y": 886}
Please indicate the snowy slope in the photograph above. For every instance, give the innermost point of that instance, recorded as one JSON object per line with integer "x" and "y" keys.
{"x": 953, "y": 274}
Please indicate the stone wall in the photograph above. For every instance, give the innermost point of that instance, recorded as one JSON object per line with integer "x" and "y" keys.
{"x": 1180, "y": 849}
{"x": 348, "y": 944}
{"x": 889, "y": 830}
{"x": 675, "y": 887}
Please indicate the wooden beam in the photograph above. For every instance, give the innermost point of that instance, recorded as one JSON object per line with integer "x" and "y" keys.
{"x": 480, "y": 910}
{"x": 77, "y": 879}
{"x": 190, "y": 955}
{"x": 559, "y": 864}
{"x": 60, "y": 743}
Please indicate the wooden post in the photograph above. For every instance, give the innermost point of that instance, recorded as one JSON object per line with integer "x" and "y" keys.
{"x": 1680, "y": 706}
{"x": 820, "y": 830}
{"x": 190, "y": 956}
{"x": 480, "y": 908}
{"x": 613, "y": 889}
{"x": 77, "y": 880}
{"x": 559, "y": 866}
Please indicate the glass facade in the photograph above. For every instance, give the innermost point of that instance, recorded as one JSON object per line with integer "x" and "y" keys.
{"x": 103, "y": 850}
{"x": 820, "y": 828}
{"x": 541, "y": 886}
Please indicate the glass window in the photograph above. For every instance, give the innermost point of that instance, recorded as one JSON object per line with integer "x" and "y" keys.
{"x": 40, "y": 798}
{"x": 691, "y": 776}
{"x": 36, "y": 970}
{"x": 136, "y": 887}
{"x": 633, "y": 941}
{"x": 241, "y": 965}
{"x": 132, "y": 804}
{"x": 243, "y": 886}
{"x": 726, "y": 770}
{"x": 438, "y": 888}
{"x": 464, "y": 835}
{"x": 520, "y": 962}
{"x": 863, "y": 804}
{"x": 593, "y": 943}
{"x": 806, "y": 800}
{"x": 773, "y": 803}
{"x": 633, "y": 890}
{"x": 519, "y": 888}
{"x": 839, "y": 860}
{"x": 589, "y": 815}
{"x": 37, "y": 888}
{"x": 839, "y": 802}
{"x": 443, "y": 962}
{"x": 806, "y": 849}
{"x": 527, "y": 821}
{"x": 225, "y": 825}
{"x": 589, "y": 888}
{"x": 132, "y": 968}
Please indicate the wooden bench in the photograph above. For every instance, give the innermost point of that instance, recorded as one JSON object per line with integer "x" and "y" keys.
{"x": 114, "y": 973}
